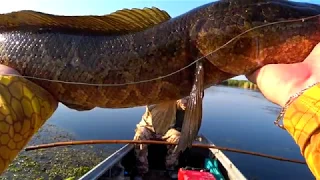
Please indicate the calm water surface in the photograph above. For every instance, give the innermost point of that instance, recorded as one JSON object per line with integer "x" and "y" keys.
{"x": 233, "y": 117}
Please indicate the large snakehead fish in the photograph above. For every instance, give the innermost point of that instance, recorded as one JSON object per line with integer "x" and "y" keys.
{"x": 136, "y": 57}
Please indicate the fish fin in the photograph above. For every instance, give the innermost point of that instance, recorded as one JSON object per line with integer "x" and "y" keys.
{"x": 78, "y": 107}
{"x": 119, "y": 22}
{"x": 193, "y": 115}
{"x": 163, "y": 116}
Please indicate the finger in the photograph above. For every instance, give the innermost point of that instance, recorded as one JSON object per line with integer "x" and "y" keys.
{"x": 5, "y": 70}
{"x": 165, "y": 137}
{"x": 253, "y": 76}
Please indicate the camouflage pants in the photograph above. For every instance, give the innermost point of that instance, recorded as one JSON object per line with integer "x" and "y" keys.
{"x": 141, "y": 150}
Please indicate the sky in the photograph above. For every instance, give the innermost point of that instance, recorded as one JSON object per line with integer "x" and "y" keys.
{"x": 101, "y": 7}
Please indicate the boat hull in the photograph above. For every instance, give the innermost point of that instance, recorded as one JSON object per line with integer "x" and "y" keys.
{"x": 121, "y": 164}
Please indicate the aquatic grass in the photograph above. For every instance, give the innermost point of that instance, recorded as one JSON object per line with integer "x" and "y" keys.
{"x": 240, "y": 84}
{"x": 69, "y": 162}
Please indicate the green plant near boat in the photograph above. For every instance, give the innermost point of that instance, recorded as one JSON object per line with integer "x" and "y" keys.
{"x": 240, "y": 84}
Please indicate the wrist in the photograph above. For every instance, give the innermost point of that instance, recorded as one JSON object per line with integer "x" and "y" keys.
{"x": 296, "y": 89}
{"x": 303, "y": 78}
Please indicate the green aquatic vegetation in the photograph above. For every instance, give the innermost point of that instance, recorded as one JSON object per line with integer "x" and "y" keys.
{"x": 240, "y": 84}
{"x": 57, "y": 163}
{"x": 71, "y": 178}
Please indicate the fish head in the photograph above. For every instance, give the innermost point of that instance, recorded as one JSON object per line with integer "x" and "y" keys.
{"x": 240, "y": 36}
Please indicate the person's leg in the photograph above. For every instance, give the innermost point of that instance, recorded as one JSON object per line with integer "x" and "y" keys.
{"x": 141, "y": 150}
{"x": 172, "y": 158}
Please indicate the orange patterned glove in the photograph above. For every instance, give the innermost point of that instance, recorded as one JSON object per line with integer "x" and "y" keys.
{"x": 24, "y": 108}
{"x": 302, "y": 121}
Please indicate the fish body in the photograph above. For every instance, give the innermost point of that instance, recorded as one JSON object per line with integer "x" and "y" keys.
{"x": 92, "y": 57}
{"x": 143, "y": 56}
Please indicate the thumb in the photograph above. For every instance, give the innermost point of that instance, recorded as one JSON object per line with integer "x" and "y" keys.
{"x": 277, "y": 82}
{"x": 253, "y": 76}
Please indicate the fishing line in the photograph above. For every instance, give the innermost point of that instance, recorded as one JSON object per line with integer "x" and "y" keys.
{"x": 170, "y": 74}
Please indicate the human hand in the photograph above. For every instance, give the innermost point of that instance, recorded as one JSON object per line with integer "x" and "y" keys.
{"x": 24, "y": 108}
{"x": 182, "y": 103}
{"x": 172, "y": 135}
{"x": 278, "y": 82}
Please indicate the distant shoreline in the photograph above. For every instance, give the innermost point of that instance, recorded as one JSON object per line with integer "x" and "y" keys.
{"x": 244, "y": 84}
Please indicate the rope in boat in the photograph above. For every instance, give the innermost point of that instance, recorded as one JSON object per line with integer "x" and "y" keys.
{"x": 66, "y": 143}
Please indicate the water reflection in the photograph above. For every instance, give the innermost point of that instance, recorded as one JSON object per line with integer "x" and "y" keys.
{"x": 232, "y": 117}
{"x": 272, "y": 109}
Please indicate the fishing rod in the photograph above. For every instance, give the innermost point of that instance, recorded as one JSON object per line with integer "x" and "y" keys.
{"x": 85, "y": 142}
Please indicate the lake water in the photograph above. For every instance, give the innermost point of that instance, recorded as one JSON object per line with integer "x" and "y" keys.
{"x": 232, "y": 117}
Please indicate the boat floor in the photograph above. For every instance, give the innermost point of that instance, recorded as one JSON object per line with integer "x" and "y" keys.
{"x": 151, "y": 175}
{"x": 157, "y": 174}
{"x": 191, "y": 158}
